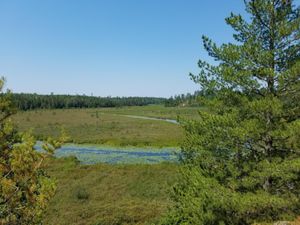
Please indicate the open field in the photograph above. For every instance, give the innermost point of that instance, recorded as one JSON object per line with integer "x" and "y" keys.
{"x": 109, "y": 126}
{"x": 109, "y": 194}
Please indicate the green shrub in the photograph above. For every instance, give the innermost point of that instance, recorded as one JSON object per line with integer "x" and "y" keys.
{"x": 81, "y": 193}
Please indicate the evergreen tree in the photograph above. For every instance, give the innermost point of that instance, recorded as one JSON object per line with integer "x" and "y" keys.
{"x": 25, "y": 189}
{"x": 241, "y": 159}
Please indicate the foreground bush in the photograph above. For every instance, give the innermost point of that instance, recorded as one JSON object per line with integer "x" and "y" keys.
{"x": 25, "y": 189}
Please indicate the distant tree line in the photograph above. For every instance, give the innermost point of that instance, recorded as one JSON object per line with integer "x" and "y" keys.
{"x": 188, "y": 99}
{"x": 36, "y": 101}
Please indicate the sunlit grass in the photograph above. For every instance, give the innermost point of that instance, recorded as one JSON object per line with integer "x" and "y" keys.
{"x": 108, "y": 125}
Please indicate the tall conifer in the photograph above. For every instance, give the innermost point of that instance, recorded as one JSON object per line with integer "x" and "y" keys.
{"x": 241, "y": 159}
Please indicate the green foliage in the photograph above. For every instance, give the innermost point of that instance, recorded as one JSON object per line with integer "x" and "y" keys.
{"x": 81, "y": 193}
{"x": 241, "y": 159}
{"x": 25, "y": 189}
{"x": 185, "y": 99}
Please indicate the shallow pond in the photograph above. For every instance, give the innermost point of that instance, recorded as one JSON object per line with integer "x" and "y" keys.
{"x": 105, "y": 154}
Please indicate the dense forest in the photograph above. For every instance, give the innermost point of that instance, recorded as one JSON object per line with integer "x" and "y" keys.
{"x": 36, "y": 101}
{"x": 189, "y": 99}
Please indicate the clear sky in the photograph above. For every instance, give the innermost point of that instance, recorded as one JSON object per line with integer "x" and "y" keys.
{"x": 108, "y": 47}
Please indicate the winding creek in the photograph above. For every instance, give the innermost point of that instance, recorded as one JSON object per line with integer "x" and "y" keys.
{"x": 150, "y": 118}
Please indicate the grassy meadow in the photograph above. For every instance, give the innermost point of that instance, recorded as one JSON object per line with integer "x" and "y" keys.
{"x": 109, "y": 126}
{"x": 109, "y": 194}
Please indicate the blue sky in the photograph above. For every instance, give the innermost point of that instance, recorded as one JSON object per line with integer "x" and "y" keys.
{"x": 108, "y": 47}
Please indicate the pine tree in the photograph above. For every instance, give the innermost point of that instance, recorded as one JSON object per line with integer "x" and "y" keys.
{"x": 241, "y": 158}
{"x": 25, "y": 189}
